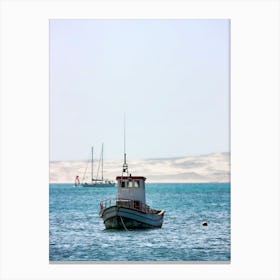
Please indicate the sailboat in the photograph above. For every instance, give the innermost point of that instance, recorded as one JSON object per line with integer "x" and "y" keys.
{"x": 96, "y": 182}
{"x": 129, "y": 209}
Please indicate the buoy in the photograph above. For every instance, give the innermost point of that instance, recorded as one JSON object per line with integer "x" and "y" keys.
{"x": 205, "y": 224}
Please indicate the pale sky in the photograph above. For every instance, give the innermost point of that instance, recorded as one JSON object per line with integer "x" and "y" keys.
{"x": 170, "y": 78}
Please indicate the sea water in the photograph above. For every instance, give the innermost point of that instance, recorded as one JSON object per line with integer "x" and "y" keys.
{"x": 77, "y": 233}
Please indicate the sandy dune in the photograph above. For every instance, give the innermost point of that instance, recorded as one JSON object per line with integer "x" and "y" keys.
{"x": 205, "y": 168}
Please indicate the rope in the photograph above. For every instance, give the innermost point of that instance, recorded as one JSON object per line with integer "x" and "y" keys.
{"x": 123, "y": 224}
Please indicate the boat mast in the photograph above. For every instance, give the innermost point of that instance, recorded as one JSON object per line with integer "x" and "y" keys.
{"x": 125, "y": 166}
{"x": 91, "y": 164}
{"x": 102, "y": 163}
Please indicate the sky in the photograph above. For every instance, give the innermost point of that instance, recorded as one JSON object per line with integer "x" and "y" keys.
{"x": 169, "y": 77}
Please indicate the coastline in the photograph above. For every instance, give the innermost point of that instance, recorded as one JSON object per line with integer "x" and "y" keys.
{"x": 210, "y": 168}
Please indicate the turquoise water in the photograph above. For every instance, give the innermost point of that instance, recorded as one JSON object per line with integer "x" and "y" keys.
{"x": 78, "y": 234}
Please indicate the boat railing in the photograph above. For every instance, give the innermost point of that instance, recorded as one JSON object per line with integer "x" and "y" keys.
{"x": 131, "y": 204}
{"x": 107, "y": 203}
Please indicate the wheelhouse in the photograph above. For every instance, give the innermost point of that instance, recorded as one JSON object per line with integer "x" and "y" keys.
{"x": 131, "y": 188}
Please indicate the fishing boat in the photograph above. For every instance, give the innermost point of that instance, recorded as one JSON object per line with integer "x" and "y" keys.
{"x": 129, "y": 209}
{"x": 98, "y": 182}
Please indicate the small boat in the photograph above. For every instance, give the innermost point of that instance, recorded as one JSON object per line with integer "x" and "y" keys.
{"x": 77, "y": 181}
{"x": 96, "y": 182}
{"x": 129, "y": 209}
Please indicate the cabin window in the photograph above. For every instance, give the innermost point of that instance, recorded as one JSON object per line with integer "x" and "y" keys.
{"x": 130, "y": 184}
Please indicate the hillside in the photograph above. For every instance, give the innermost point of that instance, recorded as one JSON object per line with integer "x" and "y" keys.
{"x": 213, "y": 167}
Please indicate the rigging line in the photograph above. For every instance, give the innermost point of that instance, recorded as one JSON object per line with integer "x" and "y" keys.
{"x": 84, "y": 175}
{"x": 97, "y": 173}
{"x": 98, "y": 168}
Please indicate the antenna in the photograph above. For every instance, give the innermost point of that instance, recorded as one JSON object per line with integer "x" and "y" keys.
{"x": 124, "y": 137}
{"x": 125, "y": 166}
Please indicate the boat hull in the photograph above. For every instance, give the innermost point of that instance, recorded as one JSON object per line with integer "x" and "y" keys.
{"x": 115, "y": 217}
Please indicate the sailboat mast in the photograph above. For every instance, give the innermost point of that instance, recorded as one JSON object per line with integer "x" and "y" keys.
{"x": 102, "y": 163}
{"x": 92, "y": 164}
